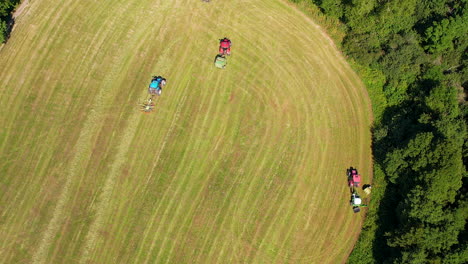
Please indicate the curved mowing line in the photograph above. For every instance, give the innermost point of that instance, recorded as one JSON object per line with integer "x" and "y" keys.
{"x": 105, "y": 196}
{"x": 252, "y": 204}
{"x": 83, "y": 149}
{"x": 176, "y": 192}
{"x": 283, "y": 202}
{"x": 259, "y": 164}
{"x": 166, "y": 137}
{"x": 164, "y": 142}
{"x": 152, "y": 218}
{"x": 322, "y": 162}
{"x": 248, "y": 159}
{"x": 282, "y": 206}
{"x": 270, "y": 122}
{"x": 273, "y": 175}
{"x": 203, "y": 185}
{"x": 156, "y": 212}
{"x": 275, "y": 212}
{"x": 162, "y": 148}
{"x": 208, "y": 173}
{"x": 292, "y": 217}
{"x": 252, "y": 183}
{"x": 65, "y": 123}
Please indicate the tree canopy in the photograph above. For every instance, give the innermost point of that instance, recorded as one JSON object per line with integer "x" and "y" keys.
{"x": 6, "y": 7}
{"x": 420, "y": 138}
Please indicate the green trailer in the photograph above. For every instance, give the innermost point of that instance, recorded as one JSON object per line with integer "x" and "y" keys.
{"x": 220, "y": 62}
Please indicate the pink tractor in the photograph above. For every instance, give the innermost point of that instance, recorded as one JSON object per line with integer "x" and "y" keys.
{"x": 354, "y": 178}
{"x": 225, "y": 46}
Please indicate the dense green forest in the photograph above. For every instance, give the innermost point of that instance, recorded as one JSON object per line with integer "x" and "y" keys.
{"x": 6, "y": 7}
{"x": 413, "y": 53}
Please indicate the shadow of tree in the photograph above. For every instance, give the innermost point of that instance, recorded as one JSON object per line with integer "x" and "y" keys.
{"x": 400, "y": 125}
{"x": 6, "y": 32}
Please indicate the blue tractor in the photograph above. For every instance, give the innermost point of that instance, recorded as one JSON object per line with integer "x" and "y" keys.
{"x": 155, "y": 88}
{"x": 156, "y": 85}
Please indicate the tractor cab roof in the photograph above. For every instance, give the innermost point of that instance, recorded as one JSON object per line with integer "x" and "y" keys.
{"x": 155, "y": 83}
{"x": 356, "y": 178}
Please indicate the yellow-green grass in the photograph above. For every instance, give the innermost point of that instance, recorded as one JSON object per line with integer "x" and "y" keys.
{"x": 241, "y": 165}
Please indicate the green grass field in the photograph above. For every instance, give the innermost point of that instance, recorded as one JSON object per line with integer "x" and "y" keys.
{"x": 241, "y": 165}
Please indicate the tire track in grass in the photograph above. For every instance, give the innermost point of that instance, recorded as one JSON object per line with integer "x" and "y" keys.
{"x": 104, "y": 199}
{"x": 273, "y": 174}
{"x": 164, "y": 66}
{"x": 291, "y": 215}
{"x": 272, "y": 212}
{"x": 45, "y": 56}
{"x": 271, "y": 225}
{"x": 270, "y": 173}
{"x": 179, "y": 188}
{"x": 155, "y": 164}
{"x": 234, "y": 225}
{"x": 214, "y": 167}
{"x": 260, "y": 166}
{"x": 256, "y": 156}
{"x": 255, "y": 243}
{"x": 31, "y": 179}
{"x": 152, "y": 218}
{"x": 261, "y": 97}
{"x": 283, "y": 205}
{"x": 236, "y": 228}
{"x": 82, "y": 150}
{"x": 310, "y": 195}
{"x": 193, "y": 137}
{"x": 165, "y": 194}
{"x": 221, "y": 130}
{"x": 257, "y": 198}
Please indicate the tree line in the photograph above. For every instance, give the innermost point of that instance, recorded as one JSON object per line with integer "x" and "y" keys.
{"x": 6, "y": 9}
{"x": 415, "y": 53}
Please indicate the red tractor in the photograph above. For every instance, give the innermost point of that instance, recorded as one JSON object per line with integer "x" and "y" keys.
{"x": 354, "y": 178}
{"x": 225, "y": 46}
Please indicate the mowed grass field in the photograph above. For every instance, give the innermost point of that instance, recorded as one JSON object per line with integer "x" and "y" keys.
{"x": 241, "y": 165}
